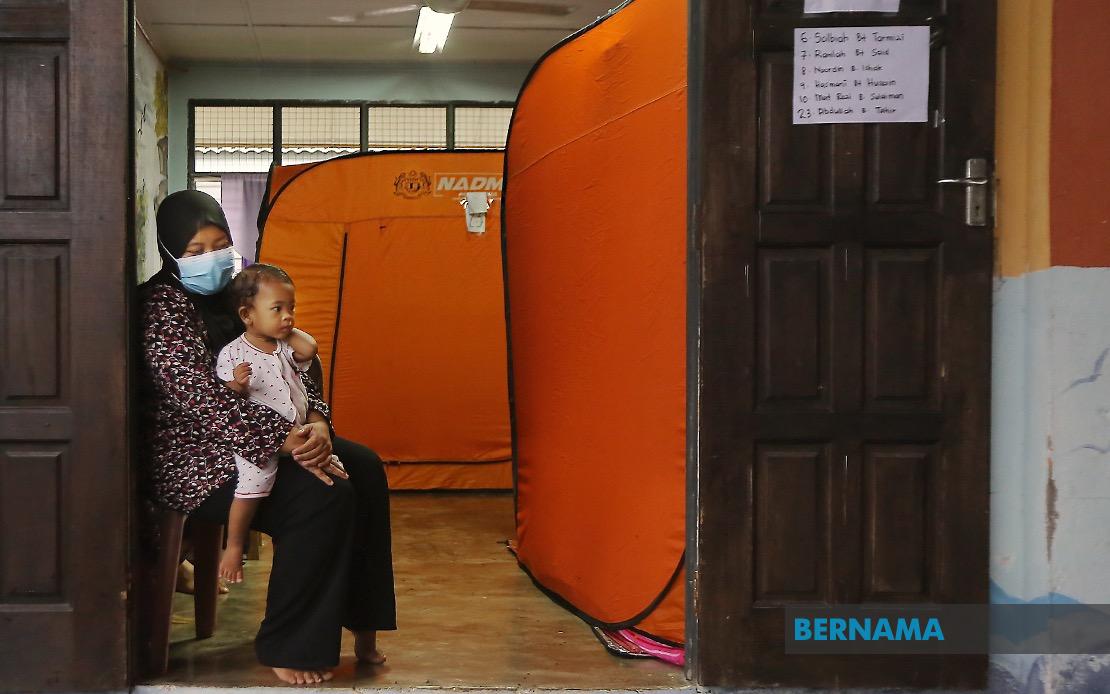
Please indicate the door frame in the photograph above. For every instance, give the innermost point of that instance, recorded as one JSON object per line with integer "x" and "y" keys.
{"x": 695, "y": 99}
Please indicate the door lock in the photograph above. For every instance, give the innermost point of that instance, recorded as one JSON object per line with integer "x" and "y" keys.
{"x": 975, "y": 182}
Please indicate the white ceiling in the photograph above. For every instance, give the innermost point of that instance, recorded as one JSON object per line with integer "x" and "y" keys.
{"x": 321, "y": 31}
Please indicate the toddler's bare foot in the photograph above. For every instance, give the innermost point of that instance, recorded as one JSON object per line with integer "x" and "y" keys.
{"x": 295, "y": 676}
{"x": 231, "y": 564}
{"x": 366, "y": 648}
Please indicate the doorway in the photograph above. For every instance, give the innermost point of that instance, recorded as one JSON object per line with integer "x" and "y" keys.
{"x": 227, "y": 121}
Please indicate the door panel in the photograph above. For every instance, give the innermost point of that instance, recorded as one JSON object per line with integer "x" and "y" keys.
{"x": 845, "y": 348}
{"x": 794, "y": 355}
{"x": 63, "y": 345}
{"x": 901, "y": 330}
{"x": 37, "y": 575}
{"x": 34, "y": 107}
{"x": 794, "y": 476}
{"x": 896, "y": 521}
{"x": 901, "y": 158}
{"x": 35, "y": 310}
{"x": 796, "y": 172}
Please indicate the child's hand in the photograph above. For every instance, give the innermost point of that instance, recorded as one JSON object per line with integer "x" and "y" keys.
{"x": 242, "y": 374}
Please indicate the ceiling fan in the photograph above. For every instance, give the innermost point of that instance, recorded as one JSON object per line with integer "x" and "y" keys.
{"x": 436, "y": 16}
{"x": 549, "y": 9}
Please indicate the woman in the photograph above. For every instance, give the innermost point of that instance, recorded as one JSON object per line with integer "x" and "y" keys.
{"x": 332, "y": 559}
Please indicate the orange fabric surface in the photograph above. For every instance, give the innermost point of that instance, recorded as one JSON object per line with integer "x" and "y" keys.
{"x": 280, "y": 175}
{"x": 312, "y": 254}
{"x": 421, "y": 367}
{"x": 667, "y": 620}
{"x": 450, "y": 475}
{"x": 417, "y": 369}
{"x": 596, "y": 245}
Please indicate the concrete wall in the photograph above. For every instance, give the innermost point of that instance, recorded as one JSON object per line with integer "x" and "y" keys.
{"x": 407, "y": 83}
{"x": 1050, "y": 491}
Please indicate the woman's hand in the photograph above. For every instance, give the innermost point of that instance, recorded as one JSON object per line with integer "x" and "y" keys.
{"x": 310, "y": 446}
{"x": 316, "y": 450}
{"x": 315, "y": 454}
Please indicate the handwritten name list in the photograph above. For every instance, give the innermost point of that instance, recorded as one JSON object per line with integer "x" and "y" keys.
{"x": 861, "y": 75}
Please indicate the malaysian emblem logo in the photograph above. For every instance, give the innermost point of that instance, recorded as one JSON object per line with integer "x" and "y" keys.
{"x": 413, "y": 184}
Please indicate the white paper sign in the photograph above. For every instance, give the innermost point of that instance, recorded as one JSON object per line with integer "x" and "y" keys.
{"x": 477, "y": 207}
{"x": 861, "y": 75}
{"x": 815, "y": 6}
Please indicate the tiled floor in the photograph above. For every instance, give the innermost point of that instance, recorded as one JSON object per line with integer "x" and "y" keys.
{"x": 468, "y": 616}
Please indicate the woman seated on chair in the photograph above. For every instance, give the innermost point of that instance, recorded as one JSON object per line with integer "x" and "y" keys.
{"x": 332, "y": 565}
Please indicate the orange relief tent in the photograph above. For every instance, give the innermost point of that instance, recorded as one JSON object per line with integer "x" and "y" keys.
{"x": 595, "y": 246}
{"x": 406, "y": 304}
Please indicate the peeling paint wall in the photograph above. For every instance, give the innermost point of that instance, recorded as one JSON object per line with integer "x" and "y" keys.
{"x": 151, "y": 150}
{"x": 1050, "y": 487}
{"x": 1050, "y": 491}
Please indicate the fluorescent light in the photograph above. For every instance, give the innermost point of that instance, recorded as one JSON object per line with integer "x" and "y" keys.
{"x": 432, "y": 30}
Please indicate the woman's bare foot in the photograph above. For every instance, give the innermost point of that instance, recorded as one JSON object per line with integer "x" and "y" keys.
{"x": 185, "y": 578}
{"x": 231, "y": 564}
{"x": 366, "y": 648}
{"x": 294, "y": 676}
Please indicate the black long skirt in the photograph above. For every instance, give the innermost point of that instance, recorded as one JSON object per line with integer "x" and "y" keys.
{"x": 333, "y": 562}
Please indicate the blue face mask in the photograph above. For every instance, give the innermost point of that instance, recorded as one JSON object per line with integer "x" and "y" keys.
{"x": 207, "y": 273}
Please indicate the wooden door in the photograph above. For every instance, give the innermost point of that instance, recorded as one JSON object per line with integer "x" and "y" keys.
{"x": 63, "y": 344}
{"x": 845, "y": 347}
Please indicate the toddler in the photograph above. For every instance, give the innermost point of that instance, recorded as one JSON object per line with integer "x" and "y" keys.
{"x": 263, "y": 364}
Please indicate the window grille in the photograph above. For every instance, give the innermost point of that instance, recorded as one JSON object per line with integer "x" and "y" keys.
{"x": 233, "y": 138}
{"x": 316, "y": 133}
{"x": 407, "y": 127}
{"x": 239, "y": 138}
{"x": 479, "y": 127}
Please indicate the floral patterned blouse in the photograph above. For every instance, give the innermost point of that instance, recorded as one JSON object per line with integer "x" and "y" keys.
{"x": 193, "y": 423}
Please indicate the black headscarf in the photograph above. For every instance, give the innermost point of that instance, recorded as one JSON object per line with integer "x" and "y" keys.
{"x": 180, "y": 216}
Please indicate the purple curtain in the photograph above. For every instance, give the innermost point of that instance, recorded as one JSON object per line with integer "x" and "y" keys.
{"x": 241, "y": 196}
